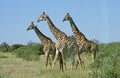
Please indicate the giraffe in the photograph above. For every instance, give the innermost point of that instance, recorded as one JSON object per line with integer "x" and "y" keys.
{"x": 63, "y": 41}
{"x": 81, "y": 40}
{"x": 49, "y": 45}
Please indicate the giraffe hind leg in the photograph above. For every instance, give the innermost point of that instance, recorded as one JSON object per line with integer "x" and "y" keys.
{"x": 72, "y": 60}
{"x": 60, "y": 61}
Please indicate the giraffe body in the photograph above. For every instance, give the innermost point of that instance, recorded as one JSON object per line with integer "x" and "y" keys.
{"x": 63, "y": 42}
{"x": 81, "y": 40}
{"x": 49, "y": 45}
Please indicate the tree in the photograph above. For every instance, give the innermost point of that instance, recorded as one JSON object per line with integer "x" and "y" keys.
{"x": 5, "y": 47}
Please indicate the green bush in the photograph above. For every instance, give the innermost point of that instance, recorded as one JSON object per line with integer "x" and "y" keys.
{"x": 16, "y": 46}
{"x": 107, "y": 64}
{"x": 29, "y": 52}
{"x": 5, "y": 47}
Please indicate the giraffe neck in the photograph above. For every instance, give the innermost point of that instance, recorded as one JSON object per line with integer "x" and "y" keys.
{"x": 41, "y": 36}
{"x": 75, "y": 30}
{"x": 55, "y": 31}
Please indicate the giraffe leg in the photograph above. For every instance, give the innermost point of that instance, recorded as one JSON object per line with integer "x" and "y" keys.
{"x": 92, "y": 54}
{"x": 60, "y": 61}
{"x": 49, "y": 60}
{"x": 55, "y": 58}
{"x": 77, "y": 64}
{"x": 46, "y": 54}
{"x": 81, "y": 60}
{"x": 63, "y": 59}
{"x": 72, "y": 60}
{"x": 93, "y": 51}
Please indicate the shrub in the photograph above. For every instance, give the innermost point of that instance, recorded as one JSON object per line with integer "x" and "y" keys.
{"x": 5, "y": 47}
{"x": 29, "y": 52}
{"x": 16, "y": 46}
{"x": 107, "y": 64}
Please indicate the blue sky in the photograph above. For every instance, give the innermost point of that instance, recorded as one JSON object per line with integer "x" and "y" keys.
{"x": 97, "y": 19}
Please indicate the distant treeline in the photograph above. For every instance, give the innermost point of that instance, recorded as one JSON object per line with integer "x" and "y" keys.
{"x": 5, "y": 47}
{"x": 31, "y": 51}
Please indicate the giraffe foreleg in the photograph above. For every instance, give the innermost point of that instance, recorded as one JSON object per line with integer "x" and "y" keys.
{"x": 80, "y": 59}
{"x": 49, "y": 59}
{"x": 55, "y": 58}
{"x": 93, "y": 50}
{"x": 46, "y": 54}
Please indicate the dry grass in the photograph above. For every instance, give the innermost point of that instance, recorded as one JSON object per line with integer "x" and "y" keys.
{"x": 12, "y": 67}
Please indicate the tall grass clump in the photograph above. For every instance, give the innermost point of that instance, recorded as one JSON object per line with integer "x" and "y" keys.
{"x": 30, "y": 52}
{"x": 4, "y": 75}
{"x": 107, "y": 64}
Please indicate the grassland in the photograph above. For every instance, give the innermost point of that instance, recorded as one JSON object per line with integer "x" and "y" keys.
{"x": 13, "y": 67}
{"x": 25, "y": 62}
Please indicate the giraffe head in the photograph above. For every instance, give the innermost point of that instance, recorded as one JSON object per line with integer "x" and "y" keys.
{"x": 31, "y": 26}
{"x": 42, "y": 17}
{"x": 67, "y": 17}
